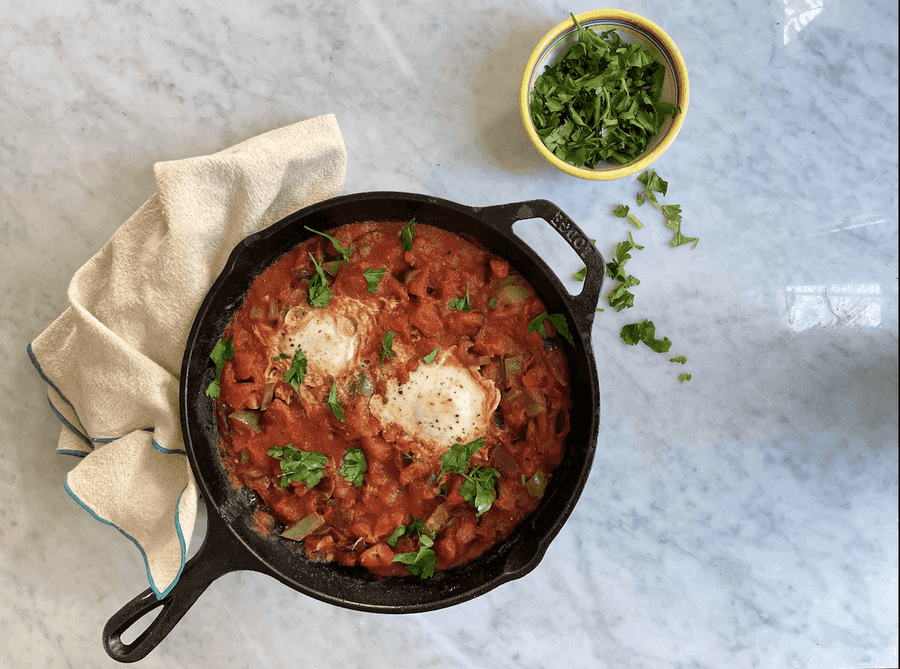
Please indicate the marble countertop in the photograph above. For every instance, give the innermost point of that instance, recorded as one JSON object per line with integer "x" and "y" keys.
{"x": 745, "y": 518}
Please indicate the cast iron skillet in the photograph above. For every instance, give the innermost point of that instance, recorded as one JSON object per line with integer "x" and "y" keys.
{"x": 232, "y": 545}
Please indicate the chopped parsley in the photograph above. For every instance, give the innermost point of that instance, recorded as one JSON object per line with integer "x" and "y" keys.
{"x": 559, "y": 322}
{"x": 222, "y": 351}
{"x": 319, "y": 292}
{"x": 684, "y": 377}
{"x": 345, "y": 252}
{"x": 297, "y": 371}
{"x": 619, "y": 297}
{"x": 407, "y": 232}
{"x": 298, "y": 466}
{"x": 334, "y": 403}
{"x": 430, "y": 357}
{"x": 420, "y": 563}
{"x": 373, "y": 277}
{"x": 456, "y": 459}
{"x": 387, "y": 348}
{"x": 462, "y": 303}
{"x": 417, "y": 526}
{"x": 601, "y": 101}
{"x": 680, "y": 360}
{"x": 478, "y": 488}
{"x": 652, "y": 182}
{"x": 355, "y": 466}
{"x": 645, "y": 331}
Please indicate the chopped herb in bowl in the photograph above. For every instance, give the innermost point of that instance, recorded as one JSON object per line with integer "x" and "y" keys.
{"x": 601, "y": 101}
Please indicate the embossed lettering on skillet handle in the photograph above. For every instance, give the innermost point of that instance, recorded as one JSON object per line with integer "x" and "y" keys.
{"x": 503, "y": 217}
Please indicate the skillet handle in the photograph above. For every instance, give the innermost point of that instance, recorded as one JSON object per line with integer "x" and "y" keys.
{"x": 504, "y": 215}
{"x": 218, "y": 555}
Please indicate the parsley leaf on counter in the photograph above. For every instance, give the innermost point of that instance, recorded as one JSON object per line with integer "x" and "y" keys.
{"x": 672, "y": 213}
{"x": 334, "y": 403}
{"x": 297, "y": 371}
{"x": 222, "y": 351}
{"x": 559, "y": 322}
{"x": 621, "y": 210}
{"x": 407, "y": 232}
{"x": 299, "y": 466}
{"x": 619, "y": 297}
{"x": 679, "y": 359}
{"x": 653, "y": 182}
{"x": 373, "y": 276}
{"x": 335, "y": 242}
{"x": 645, "y": 331}
{"x": 601, "y": 101}
{"x": 387, "y": 350}
{"x": 355, "y": 466}
{"x": 684, "y": 377}
{"x": 319, "y": 291}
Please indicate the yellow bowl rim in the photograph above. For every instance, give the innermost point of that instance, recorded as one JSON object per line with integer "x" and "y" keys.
{"x": 683, "y": 95}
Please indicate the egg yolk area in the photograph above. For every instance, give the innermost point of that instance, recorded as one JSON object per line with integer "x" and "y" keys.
{"x": 417, "y": 351}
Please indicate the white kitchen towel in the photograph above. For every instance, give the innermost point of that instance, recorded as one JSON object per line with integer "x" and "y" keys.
{"x": 112, "y": 359}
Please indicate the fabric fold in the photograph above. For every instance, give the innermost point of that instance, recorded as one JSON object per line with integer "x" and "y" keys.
{"x": 113, "y": 357}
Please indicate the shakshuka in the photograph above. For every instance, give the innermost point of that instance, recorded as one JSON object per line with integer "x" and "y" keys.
{"x": 396, "y": 395}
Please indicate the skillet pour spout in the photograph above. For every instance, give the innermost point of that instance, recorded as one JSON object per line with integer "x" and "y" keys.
{"x": 232, "y": 543}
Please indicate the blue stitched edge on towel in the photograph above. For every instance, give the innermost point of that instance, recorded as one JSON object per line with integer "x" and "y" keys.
{"x": 90, "y": 442}
{"x": 82, "y": 433}
{"x": 181, "y": 542}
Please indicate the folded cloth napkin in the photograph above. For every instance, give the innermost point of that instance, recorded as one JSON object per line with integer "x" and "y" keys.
{"x": 113, "y": 358}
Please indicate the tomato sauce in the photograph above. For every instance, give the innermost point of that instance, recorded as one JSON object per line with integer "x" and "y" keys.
{"x": 438, "y": 354}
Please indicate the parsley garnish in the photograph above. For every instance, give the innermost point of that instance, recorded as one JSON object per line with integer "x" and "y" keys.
{"x": 559, "y": 322}
{"x": 297, "y": 371}
{"x": 602, "y": 100}
{"x": 462, "y": 303}
{"x": 417, "y": 526}
{"x": 373, "y": 276}
{"x": 645, "y": 331}
{"x": 456, "y": 460}
{"x": 355, "y": 466}
{"x": 334, "y": 403}
{"x": 420, "y": 563}
{"x": 684, "y": 377}
{"x": 430, "y": 357}
{"x": 478, "y": 489}
{"x": 222, "y": 351}
{"x": 387, "y": 350}
{"x": 680, "y": 360}
{"x": 407, "y": 232}
{"x": 335, "y": 242}
{"x": 319, "y": 292}
{"x": 298, "y": 466}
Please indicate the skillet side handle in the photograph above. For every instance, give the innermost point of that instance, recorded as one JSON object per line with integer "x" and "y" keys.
{"x": 218, "y": 555}
{"x": 504, "y": 215}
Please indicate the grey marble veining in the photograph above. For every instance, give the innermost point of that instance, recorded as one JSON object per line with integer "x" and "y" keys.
{"x": 746, "y": 518}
